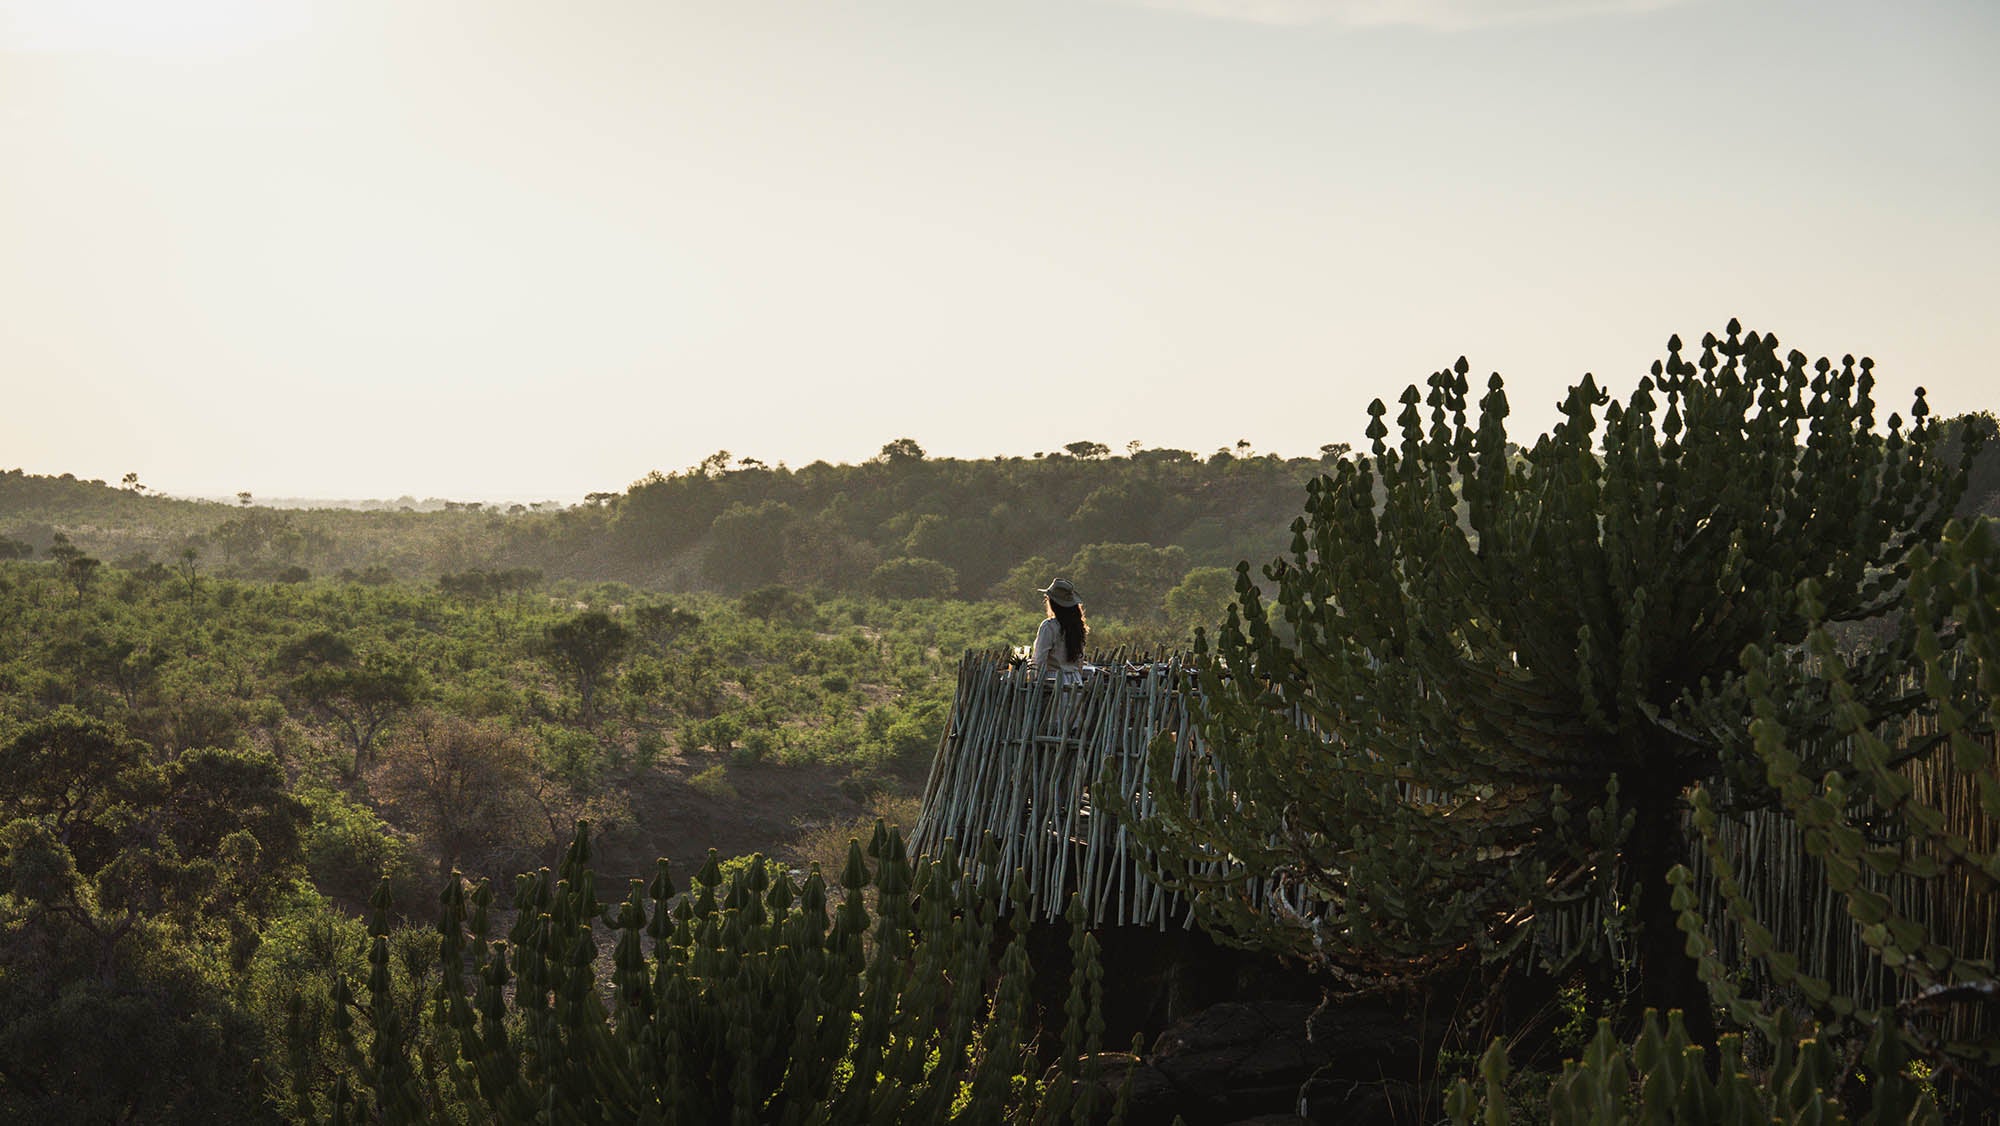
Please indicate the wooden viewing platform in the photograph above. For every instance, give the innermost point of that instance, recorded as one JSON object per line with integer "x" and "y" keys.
{"x": 1021, "y": 758}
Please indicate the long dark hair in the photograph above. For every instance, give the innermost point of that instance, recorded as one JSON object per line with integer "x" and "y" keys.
{"x": 1074, "y": 628}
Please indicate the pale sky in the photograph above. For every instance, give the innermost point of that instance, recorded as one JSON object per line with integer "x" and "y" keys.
{"x": 522, "y": 250}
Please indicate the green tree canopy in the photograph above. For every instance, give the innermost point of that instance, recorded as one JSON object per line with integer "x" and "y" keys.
{"x": 361, "y": 693}
{"x": 913, "y": 578}
{"x": 1127, "y": 580}
{"x": 901, "y": 450}
{"x": 587, "y": 649}
{"x": 1201, "y": 599}
{"x": 77, "y": 567}
{"x": 127, "y": 881}
{"x": 747, "y": 545}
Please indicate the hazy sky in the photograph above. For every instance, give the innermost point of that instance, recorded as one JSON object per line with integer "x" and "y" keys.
{"x": 495, "y": 249}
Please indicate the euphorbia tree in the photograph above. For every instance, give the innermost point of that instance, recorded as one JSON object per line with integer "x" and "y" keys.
{"x": 1488, "y": 676}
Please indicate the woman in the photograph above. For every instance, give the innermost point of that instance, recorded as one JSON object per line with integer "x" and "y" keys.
{"x": 1058, "y": 649}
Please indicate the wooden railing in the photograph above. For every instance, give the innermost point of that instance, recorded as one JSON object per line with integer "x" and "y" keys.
{"x": 1023, "y": 758}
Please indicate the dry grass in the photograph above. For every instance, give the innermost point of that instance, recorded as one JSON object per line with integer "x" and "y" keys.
{"x": 825, "y": 843}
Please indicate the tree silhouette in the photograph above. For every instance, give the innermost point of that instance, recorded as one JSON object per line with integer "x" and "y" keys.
{"x": 902, "y": 449}
{"x": 587, "y": 648}
{"x": 77, "y": 568}
{"x": 362, "y": 693}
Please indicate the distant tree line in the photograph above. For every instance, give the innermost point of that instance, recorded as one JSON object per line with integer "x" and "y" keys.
{"x": 1128, "y": 529}
{"x": 907, "y": 525}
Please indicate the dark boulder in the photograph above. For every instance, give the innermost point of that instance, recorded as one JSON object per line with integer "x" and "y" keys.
{"x": 1237, "y": 1063}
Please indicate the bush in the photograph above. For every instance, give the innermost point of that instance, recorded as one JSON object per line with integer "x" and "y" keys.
{"x": 779, "y": 604}
{"x": 913, "y": 578}
{"x": 646, "y": 751}
{"x": 463, "y": 784}
{"x": 570, "y": 755}
{"x": 349, "y": 850}
{"x": 714, "y": 783}
{"x": 304, "y": 950}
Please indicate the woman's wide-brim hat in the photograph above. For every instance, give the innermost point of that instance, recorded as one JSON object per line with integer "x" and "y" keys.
{"x": 1060, "y": 592}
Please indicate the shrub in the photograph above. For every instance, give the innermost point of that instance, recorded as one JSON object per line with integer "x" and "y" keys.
{"x": 913, "y": 578}
{"x": 714, "y": 783}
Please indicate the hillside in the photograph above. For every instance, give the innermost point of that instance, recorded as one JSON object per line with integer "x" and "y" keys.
{"x": 899, "y": 525}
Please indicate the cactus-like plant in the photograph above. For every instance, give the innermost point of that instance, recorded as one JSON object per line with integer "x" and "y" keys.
{"x": 751, "y": 1005}
{"x": 1471, "y": 712}
{"x": 1663, "y": 1077}
{"x": 1915, "y": 869}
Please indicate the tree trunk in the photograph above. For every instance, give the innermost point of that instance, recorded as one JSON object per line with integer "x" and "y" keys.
{"x": 1668, "y": 978}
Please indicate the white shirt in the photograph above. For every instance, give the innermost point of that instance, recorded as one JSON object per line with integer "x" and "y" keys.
{"x": 1046, "y": 658}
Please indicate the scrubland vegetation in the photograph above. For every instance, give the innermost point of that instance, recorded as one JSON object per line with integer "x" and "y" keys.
{"x": 901, "y": 525}
{"x": 1544, "y": 728}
